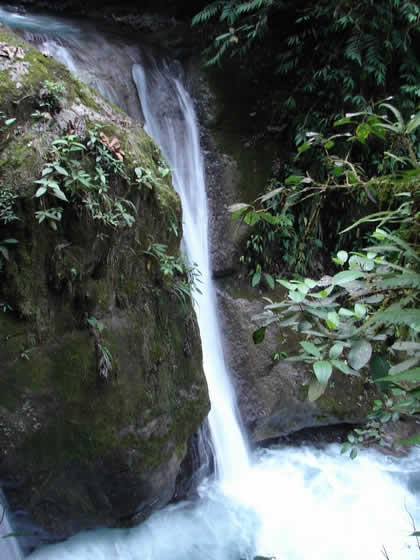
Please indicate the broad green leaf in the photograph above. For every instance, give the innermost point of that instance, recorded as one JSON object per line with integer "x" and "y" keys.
{"x": 60, "y": 170}
{"x": 57, "y": 192}
{"x": 294, "y": 179}
{"x": 360, "y": 310}
{"x": 360, "y": 354}
{"x": 346, "y": 276}
{"x": 362, "y": 132}
{"x": 304, "y": 147}
{"x": 256, "y": 278}
{"x": 345, "y": 312}
{"x": 344, "y": 368}
{"x": 270, "y": 280}
{"x": 416, "y": 533}
{"x": 332, "y": 320}
{"x": 8, "y": 122}
{"x": 405, "y": 365}
{"x": 310, "y": 348}
{"x": 323, "y": 371}
{"x": 259, "y": 335}
{"x": 379, "y": 367}
{"x": 302, "y": 288}
{"x": 296, "y": 297}
{"x": 409, "y": 376}
{"x": 315, "y": 390}
{"x": 353, "y": 453}
{"x": 40, "y": 191}
{"x": 336, "y": 350}
{"x": 286, "y": 284}
{"x": 269, "y": 218}
{"x": 310, "y": 283}
{"x": 251, "y": 218}
{"x": 342, "y": 256}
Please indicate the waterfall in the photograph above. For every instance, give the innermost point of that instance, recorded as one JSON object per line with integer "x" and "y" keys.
{"x": 293, "y": 503}
{"x": 9, "y": 547}
{"x": 171, "y": 121}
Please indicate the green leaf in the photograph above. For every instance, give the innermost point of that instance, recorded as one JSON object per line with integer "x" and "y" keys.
{"x": 360, "y": 310}
{"x": 304, "y": 147}
{"x": 360, "y": 354}
{"x": 256, "y": 278}
{"x": 8, "y": 122}
{"x": 332, "y": 320}
{"x": 340, "y": 122}
{"x": 57, "y": 192}
{"x": 416, "y": 533}
{"x": 310, "y": 283}
{"x": 353, "y": 453}
{"x": 323, "y": 371}
{"x": 270, "y": 280}
{"x": 294, "y": 179}
{"x": 379, "y": 367}
{"x": 346, "y": 276}
{"x": 336, "y": 350}
{"x": 251, "y": 218}
{"x": 60, "y": 170}
{"x": 237, "y": 209}
{"x": 343, "y": 312}
{"x": 409, "y": 376}
{"x": 315, "y": 390}
{"x": 310, "y": 348}
{"x": 259, "y": 335}
{"x": 363, "y": 131}
{"x": 40, "y": 191}
{"x": 296, "y": 297}
{"x": 342, "y": 256}
{"x": 344, "y": 368}
{"x": 269, "y": 218}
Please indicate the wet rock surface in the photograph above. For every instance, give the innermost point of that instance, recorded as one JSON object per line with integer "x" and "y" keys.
{"x": 81, "y": 450}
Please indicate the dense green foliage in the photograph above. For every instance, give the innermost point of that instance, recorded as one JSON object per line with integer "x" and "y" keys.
{"x": 365, "y": 319}
{"x": 307, "y": 64}
{"x": 331, "y": 56}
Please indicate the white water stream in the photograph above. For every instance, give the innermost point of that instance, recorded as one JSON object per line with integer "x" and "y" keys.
{"x": 294, "y": 503}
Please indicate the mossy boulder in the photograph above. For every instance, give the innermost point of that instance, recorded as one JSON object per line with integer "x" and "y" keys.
{"x": 101, "y": 382}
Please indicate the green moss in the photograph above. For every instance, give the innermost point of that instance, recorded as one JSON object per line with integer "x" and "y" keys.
{"x": 56, "y": 280}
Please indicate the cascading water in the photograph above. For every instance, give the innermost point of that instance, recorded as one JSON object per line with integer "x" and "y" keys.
{"x": 171, "y": 121}
{"x": 294, "y": 503}
{"x": 9, "y": 547}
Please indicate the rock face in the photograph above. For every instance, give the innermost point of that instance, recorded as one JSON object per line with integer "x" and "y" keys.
{"x": 101, "y": 382}
{"x": 271, "y": 393}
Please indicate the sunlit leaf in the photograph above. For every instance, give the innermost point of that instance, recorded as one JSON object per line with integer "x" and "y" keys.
{"x": 323, "y": 371}
{"x": 360, "y": 354}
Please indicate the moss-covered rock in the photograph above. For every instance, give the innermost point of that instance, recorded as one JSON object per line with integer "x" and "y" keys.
{"x": 83, "y": 447}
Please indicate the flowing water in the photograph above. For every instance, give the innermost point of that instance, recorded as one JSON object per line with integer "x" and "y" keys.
{"x": 294, "y": 503}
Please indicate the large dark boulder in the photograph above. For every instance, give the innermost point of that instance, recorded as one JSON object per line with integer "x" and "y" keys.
{"x": 101, "y": 380}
